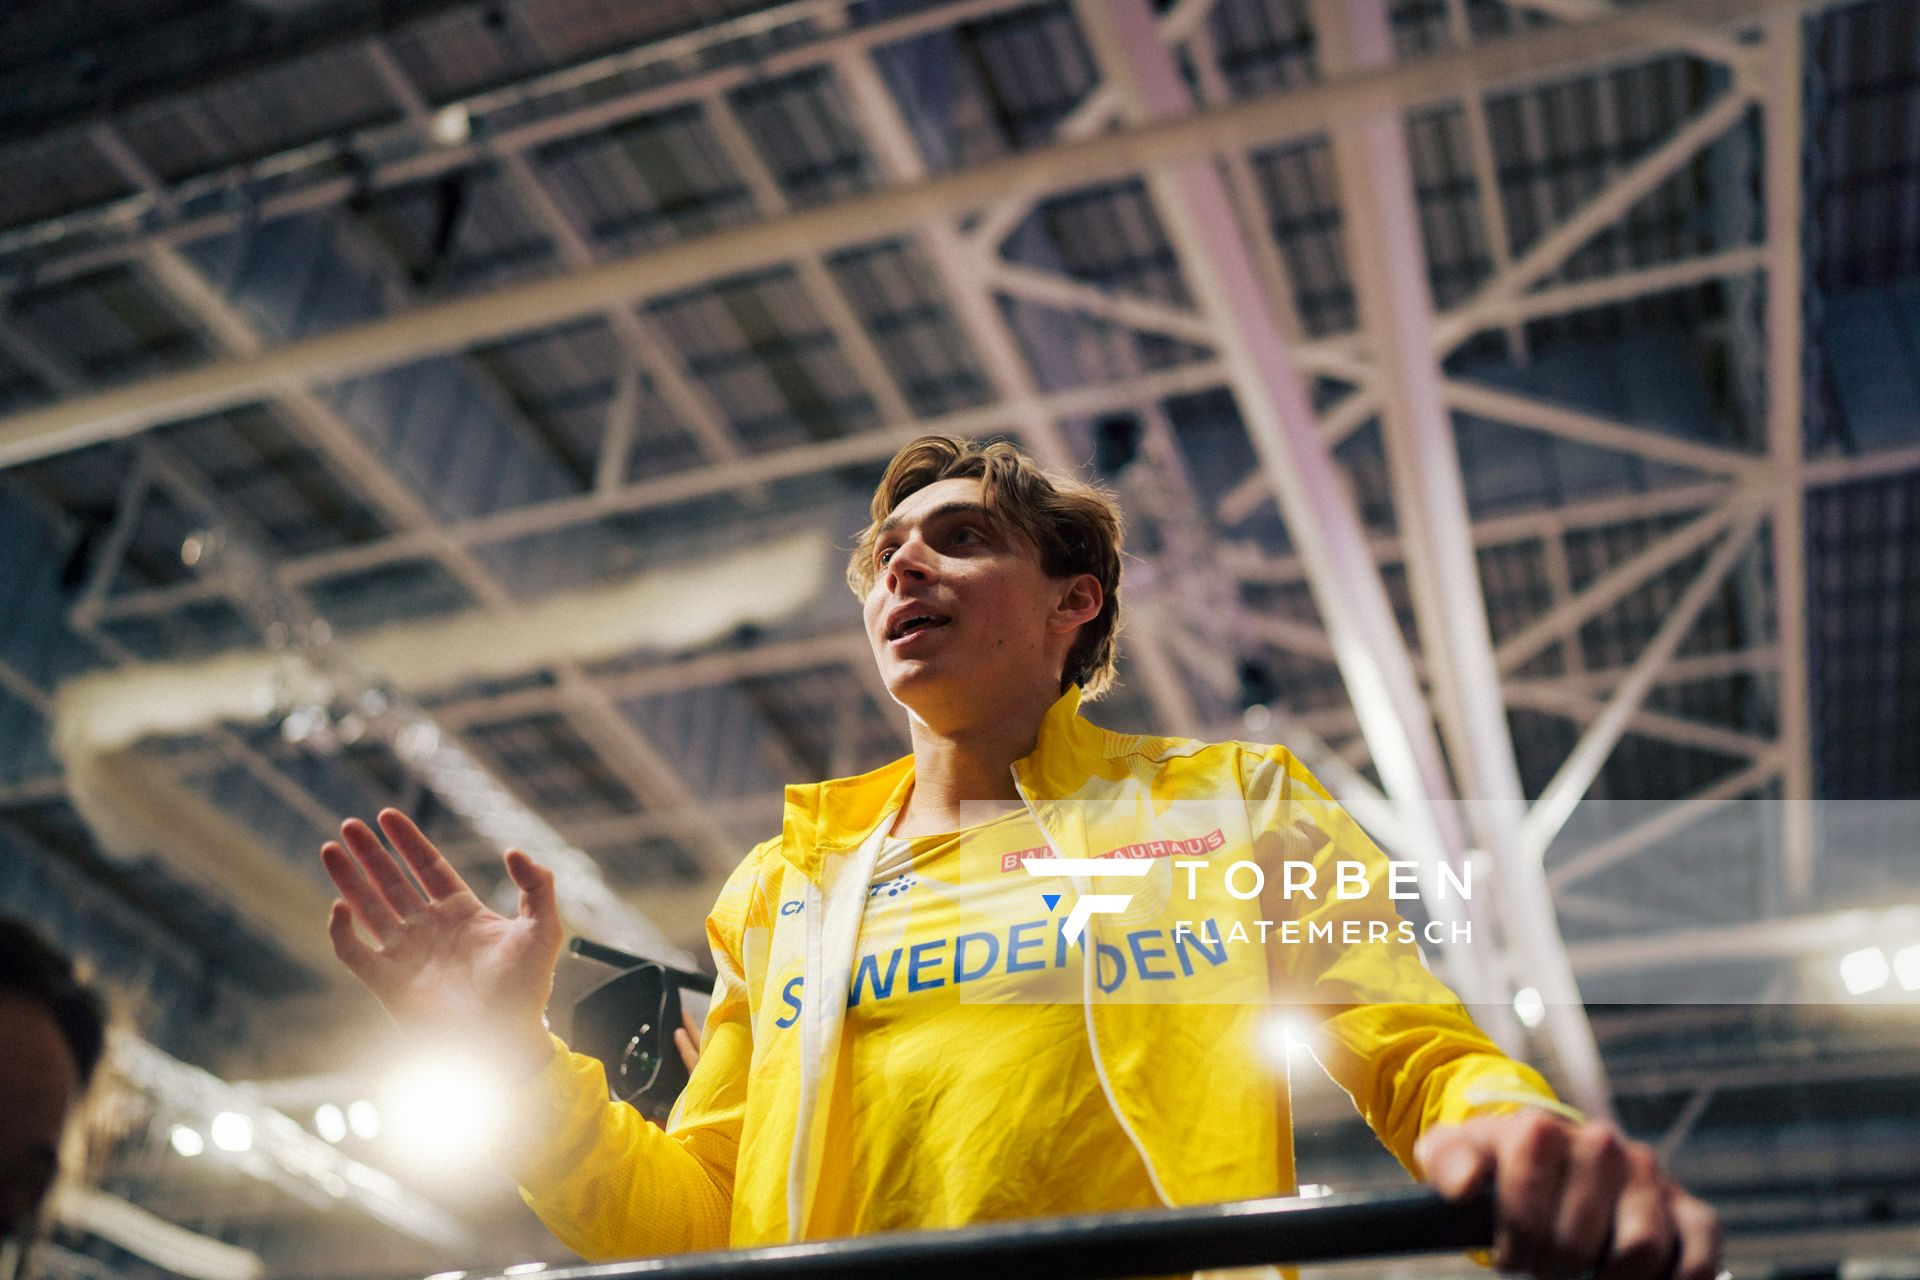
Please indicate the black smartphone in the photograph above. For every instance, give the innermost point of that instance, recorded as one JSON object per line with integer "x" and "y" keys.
{"x": 627, "y": 1022}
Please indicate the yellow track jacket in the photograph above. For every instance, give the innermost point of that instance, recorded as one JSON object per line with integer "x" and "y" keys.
{"x": 742, "y": 1157}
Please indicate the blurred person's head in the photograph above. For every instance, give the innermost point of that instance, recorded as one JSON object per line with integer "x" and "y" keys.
{"x": 53, "y": 1028}
{"x": 987, "y": 581}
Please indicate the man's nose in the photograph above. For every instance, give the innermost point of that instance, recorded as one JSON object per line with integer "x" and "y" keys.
{"x": 908, "y": 561}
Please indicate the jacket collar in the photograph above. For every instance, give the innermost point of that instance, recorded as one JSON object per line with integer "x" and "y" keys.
{"x": 823, "y": 819}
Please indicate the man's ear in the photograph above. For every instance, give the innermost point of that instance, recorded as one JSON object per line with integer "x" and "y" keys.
{"x": 1079, "y": 603}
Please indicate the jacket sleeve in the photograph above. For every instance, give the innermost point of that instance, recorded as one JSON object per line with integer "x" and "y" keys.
{"x": 612, "y": 1184}
{"x": 1390, "y": 1033}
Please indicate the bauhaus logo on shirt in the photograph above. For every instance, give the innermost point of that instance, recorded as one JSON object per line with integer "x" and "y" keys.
{"x": 1127, "y": 860}
{"x": 1193, "y": 847}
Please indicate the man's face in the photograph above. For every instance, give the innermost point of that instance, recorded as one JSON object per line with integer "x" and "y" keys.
{"x": 38, "y": 1083}
{"x": 960, "y": 611}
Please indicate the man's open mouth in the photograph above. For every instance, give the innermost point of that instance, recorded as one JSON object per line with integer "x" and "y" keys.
{"x": 917, "y": 622}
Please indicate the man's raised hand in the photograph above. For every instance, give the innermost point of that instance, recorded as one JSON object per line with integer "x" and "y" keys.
{"x": 444, "y": 965}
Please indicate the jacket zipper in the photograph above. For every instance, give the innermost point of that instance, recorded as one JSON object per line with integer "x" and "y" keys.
{"x": 1086, "y": 1006}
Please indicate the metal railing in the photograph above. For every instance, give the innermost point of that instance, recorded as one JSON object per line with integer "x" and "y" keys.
{"x": 1105, "y": 1246}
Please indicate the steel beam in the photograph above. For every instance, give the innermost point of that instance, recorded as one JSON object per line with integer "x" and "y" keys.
{"x": 1618, "y": 582}
{"x": 1707, "y": 44}
{"x": 1597, "y": 430}
{"x": 1600, "y": 291}
{"x": 780, "y": 657}
{"x": 640, "y": 342}
{"x": 380, "y": 169}
{"x": 856, "y": 344}
{"x": 647, "y": 772}
{"x": 1700, "y": 666}
{"x": 1520, "y": 526}
{"x": 1643, "y": 836}
{"x": 435, "y": 758}
{"x": 1212, "y": 90}
{"x": 283, "y": 1153}
{"x": 878, "y": 118}
{"x": 1486, "y": 179}
{"x": 1389, "y": 266}
{"x": 1786, "y": 449}
{"x": 1573, "y": 696}
{"x": 164, "y": 814}
{"x": 1551, "y": 300}
{"x": 1559, "y": 575}
{"x": 1582, "y": 708}
{"x": 1129, "y": 311}
{"x": 377, "y": 143}
{"x": 1629, "y": 187}
{"x": 1198, "y": 212}
{"x": 414, "y": 541}
{"x": 1683, "y": 1124}
{"x": 1571, "y": 781}
{"x": 1788, "y": 938}
{"x": 1095, "y": 114}
{"x": 451, "y": 325}
{"x": 1338, "y": 425}
{"x": 1825, "y": 473}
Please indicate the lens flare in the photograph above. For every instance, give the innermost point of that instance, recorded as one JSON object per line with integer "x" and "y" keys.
{"x": 444, "y": 1110}
{"x": 232, "y": 1132}
{"x": 330, "y": 1122}
{"x": 1865, "y": 971}
{"x": 364, "y": 1119}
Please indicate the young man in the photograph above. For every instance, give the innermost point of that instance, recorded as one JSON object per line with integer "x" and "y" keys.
{"x": 908, "y": 1029}
{"x": 52, "y": 1033}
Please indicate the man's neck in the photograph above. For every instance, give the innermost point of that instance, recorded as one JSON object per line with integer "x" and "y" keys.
{"x": 956, "y": 770}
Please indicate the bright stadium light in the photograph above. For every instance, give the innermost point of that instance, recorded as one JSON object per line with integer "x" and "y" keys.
{"x": 364, "y": 1119}
{"x": 444, "y": 1110}
{"x": 330, "y": 1122}
{"x": 1906, "y": 967}
{"x": 1530, "y": 1007}
{"x": 187, "y": 1141}
{"x": 1281, "y": 1037}
{"x": 452, "y": 125}
{"x": 1865, "y": 971}
{"x": 232, "y": 1132}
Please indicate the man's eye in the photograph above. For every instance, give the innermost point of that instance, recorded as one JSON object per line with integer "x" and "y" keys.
{"x": 882, "y": 556}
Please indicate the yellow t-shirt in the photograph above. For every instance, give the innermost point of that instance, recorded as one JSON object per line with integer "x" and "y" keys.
{"x": 967, "y": 1090}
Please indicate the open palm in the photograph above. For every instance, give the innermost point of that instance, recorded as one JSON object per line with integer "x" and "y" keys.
{"x": 445, "y": 965}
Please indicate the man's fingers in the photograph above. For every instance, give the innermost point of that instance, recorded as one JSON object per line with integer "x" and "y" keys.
{"x": 1699, "y": 1229}
{"x": 359, "y": 958}
{"x": 435, "y": 873}
{"x": 388, "y": 880}
{"x": 1573, "y": 1197}
{"x": 1529, "y": 1171}
{"x": 357, "y": 893}
{"x": 538, "y": 901}
{"x": 1643, "y": 1240}
{"x": 689, "y": 1052}
{"x": 1596, "y": 1170}
{"x": 1454, "y": 1160}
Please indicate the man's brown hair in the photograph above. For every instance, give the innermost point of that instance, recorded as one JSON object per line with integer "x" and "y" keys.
{"x": 1075, "y": 526}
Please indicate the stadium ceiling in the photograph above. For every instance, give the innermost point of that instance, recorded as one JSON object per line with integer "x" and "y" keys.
{"x": 461, "y": 402}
